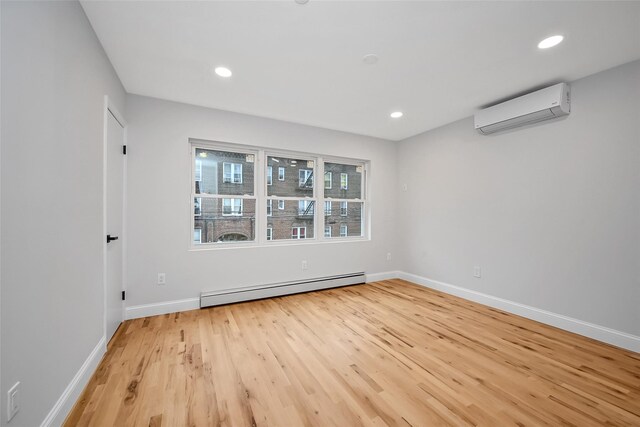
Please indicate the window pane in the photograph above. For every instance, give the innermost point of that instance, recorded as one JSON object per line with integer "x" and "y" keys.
{"x": 296, "y": 218}
{"x": 226, "y": 219}
{"x": 224, "y": 172}
{"x": 297, "y": 177}
{"x": 350, "y": 176}
{"x": 345, "y": 221}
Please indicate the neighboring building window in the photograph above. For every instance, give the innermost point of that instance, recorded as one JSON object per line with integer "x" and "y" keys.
{"x": 280, "y": 204}
{"x": 344, "y": 181}
{"x": 232, "y": 172}
{"x": 197, "y": 206}
{"x": 343, "y": 208}
{"x": 269, "y": 233}
{"x": 343, "y": 230}
{"x": 327, "y": 231}
{"x": 305, "y": 207}
{"x": 280, "y": 173}
{"x": 269, "y": 207}
{"x": 328, "y": 180}
{"x": 327, "y": 208}
{"x": 197, "y": 235}
{"x": 298, "y": 232}
{"x": 232, "y": 207}
{"x": 269, "y": 175}
{"x": 198, "y": 172}
{"x": 306, "y": 178}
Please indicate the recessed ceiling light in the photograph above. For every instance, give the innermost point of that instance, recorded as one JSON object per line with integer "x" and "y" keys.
{"x": 370, "y": 59}
{"x": 396, "y": 114}
{"x": 223, "y": 71}
{"x": 302, "y": 1}
{"x": 550, "y": 42}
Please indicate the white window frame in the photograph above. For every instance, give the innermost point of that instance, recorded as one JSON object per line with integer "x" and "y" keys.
{"x": 269, "y": 234}
{"x": 232, "y": 173}
{"x": 346, "y": 181}
{"x": 258, "y": 156}
{"x": 281, "y": 171}
{"x": 327, "y": 207}
{"x": 198, "y": 171}
{"x": 330, "y": 174}
{"x": 199, "y": 230}
{"x": 232, "y": 205}
{"x": 270, "y": 207}
{"x": 199, "y": 202}
{"x": 327, "y": 228}
{"x": 344, "y": 230}
{"x": 269, "y": 175}
{"x": 298, "y": 229}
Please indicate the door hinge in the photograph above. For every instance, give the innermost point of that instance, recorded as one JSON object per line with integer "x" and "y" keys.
{"x": 124, "y": 150}
{"x": 123, "y": 295}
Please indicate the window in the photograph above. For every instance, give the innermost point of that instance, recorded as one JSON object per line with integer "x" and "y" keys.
{"x": 306, "y": 178}
{"x": 344, "y": 181}
{"x": 229, "y": 185}
{"x": 225, "y": 196}
{"x": 305, "y": 207}
{"x": 298, "y": 232}
{"x": 198, "y": 173}
{"x": 350, "y": 196}
{"x": 296, "y": 198}
{"x": 232, "y": 207}
{"x": 232, "y": 172}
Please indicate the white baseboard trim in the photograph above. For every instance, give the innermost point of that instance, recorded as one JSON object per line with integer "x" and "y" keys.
{"x": 145, "y": 310}
{"x": 386, "y": 275}
{"x": 597, "y": 332}
{"x": 70, "y": 394}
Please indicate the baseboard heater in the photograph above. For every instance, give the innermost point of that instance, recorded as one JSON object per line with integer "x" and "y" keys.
{"x": 228, "y": 296}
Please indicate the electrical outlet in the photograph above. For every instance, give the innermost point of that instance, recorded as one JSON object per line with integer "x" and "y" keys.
{"x": 477, "y": 272}
{"x": 13, "y": 403}
{"x": 388, "y": 256}
{"x": 304, "y": 265}
{"x": 162, "y": 279}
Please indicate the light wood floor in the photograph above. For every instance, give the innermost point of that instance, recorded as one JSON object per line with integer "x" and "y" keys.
{"x": 385, "y": 353}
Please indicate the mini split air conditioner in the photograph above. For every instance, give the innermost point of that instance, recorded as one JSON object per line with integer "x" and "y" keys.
{"x": 544, "y": 104}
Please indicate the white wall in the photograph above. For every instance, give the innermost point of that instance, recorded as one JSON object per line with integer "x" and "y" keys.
{"x": 54, "y": 77}
{"x": 551, "y": 213}
{"x": 159, "y": 204}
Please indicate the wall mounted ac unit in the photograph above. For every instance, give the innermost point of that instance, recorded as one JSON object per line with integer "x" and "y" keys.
{"x": 544, "y": 104}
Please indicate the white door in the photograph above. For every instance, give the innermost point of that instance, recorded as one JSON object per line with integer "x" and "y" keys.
{"x": 114, "y": 211}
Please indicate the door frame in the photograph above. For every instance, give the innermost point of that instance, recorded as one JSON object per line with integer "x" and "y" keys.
{"x": 109, "y": 108}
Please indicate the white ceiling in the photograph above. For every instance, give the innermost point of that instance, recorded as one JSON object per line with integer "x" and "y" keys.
{"x": 439, "y": 61}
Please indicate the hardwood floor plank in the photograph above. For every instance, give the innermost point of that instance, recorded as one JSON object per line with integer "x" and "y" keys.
{"x": 388, "y": 353}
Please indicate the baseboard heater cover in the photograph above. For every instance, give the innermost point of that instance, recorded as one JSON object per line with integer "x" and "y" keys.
{"x": 229, "y": 296}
